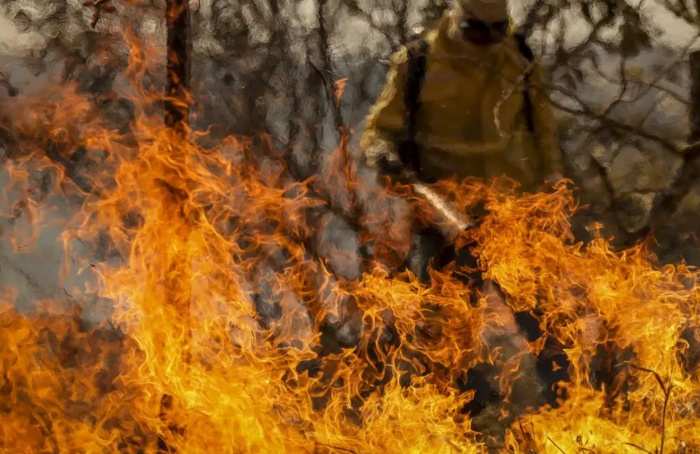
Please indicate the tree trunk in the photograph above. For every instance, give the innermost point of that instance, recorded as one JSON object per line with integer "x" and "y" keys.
{"x": 177, "y": 109}
{"x": 177, "y": 115}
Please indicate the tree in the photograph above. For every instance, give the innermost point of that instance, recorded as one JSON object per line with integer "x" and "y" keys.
{"x": 177, "y": 17}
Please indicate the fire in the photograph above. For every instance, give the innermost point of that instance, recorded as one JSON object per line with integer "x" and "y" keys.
{"x": 219, "y": 304}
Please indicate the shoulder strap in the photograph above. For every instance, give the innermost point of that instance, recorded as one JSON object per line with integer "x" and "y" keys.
{"x": 415, "y": 73}
{"x": 417, "y": 55}
{"x": 526, "y": 51}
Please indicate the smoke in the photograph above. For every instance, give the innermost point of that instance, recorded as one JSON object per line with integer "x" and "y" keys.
{"x": 230, "y": 101}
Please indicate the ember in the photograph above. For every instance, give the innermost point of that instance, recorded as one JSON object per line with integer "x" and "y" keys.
{"x": 227, "y": 333}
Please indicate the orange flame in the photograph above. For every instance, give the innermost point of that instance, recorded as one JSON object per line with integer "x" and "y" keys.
{"x": 340, "y": 85}
{"x": 215, "y": 340}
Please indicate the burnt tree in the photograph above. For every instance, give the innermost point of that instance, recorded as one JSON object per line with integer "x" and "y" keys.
{"x": 177, "y": 116}
{"x": 177, "y": 109}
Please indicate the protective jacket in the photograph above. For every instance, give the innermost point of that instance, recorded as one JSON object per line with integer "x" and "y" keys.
{"x": 472, "y": 119}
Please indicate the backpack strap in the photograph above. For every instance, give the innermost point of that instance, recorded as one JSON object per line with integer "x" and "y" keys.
{"x": 416, "y": 66}
{"x": 526, "y": 51}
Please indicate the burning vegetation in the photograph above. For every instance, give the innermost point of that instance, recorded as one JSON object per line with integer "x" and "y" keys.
{"x": 228, "y": 332}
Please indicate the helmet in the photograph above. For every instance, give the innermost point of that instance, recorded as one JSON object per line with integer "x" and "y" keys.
{"x": 489, "y": 11}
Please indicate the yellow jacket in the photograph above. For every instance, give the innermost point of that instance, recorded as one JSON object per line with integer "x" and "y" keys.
{"x": 472, "y": 119}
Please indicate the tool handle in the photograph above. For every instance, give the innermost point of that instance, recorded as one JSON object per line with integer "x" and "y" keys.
{"x": 450, "y": 221}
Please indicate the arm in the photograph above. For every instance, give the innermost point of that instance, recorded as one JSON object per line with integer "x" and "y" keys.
{"x": 545, "y": 125}
{"x": 386, "y": 120}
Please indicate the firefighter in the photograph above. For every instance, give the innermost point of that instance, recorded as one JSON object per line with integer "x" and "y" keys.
{"x": 477, "y": 109}
{"x": 468, "y": 100}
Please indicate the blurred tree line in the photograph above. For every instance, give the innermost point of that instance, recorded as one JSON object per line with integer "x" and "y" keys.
{"x": 269, "y": 69}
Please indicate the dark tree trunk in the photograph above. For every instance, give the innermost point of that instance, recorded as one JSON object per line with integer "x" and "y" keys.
{"x": 177, "y": 109}
{"x": 177, "y": 116}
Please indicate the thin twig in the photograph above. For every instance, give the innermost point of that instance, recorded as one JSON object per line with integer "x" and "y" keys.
{"x": 522, "y": 429}
{"x": 663, "y": 420}
{"x": 528, "y": 438}
{"x": 638, "y": 447}
{"x": 556, "y": 446}
{"x": 656, "y": 376}
{"x": 667, "y": 395}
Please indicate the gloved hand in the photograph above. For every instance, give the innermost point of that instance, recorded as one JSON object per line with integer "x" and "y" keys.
{"x": 383, "y": 156}
{"x": 390, "y": 164}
